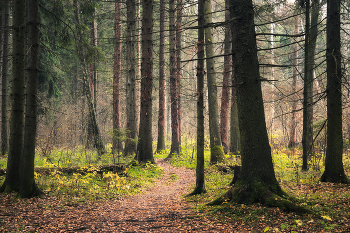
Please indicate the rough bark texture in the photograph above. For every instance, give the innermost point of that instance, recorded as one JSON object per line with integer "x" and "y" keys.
{"x": 28, "y": 187}
{"x": 178, "y": 63}
{"x": 234, "y": 127}
{"x": 4, "y": 81}
{"x": 12, "y": 180}
{"x": 334, "y": 170}
{"x": 175, "y": 130}
{"x": 225, "y": 96}
{"x": 144, "y": 147}
{"x": 116, "y": 77}
{"x": 217, "y": 153}
{"x": 131, "y": 118}
{"x": 161, "y": 114}
{"x": 257, "y": 181}
{"x": 200, "y": 181}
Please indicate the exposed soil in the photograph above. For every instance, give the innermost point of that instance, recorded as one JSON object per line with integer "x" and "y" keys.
{"x": 158, "y": 209}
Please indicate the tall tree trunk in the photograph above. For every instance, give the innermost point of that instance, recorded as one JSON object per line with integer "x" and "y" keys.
{"x": 175, "y": 131}
{"x": 225, "y": 96}
{"x": 334, "y": 170}
{"x": 131, "y": 117}
{"x": 307, "y": 104}
{"x": 178, "y": 63}
{"x": 12, "y": 180}
{"x": 81, "y": 53}
{"x": 217, "y": 153}
{"x": 292, "y": 134}
{"x": 28, "y": 188}
{"x": 161, "y": 115}
{"x": 234, "y": 127}
{"x": 144, "y": 146}
{"x": 116, "y": 76}
{"x": 4, "y": 81}
{"x": 257, "y": 181}
{"x": 200, "y": 181}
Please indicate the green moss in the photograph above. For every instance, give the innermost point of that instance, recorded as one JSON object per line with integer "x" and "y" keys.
{"x": 217, "y": 154}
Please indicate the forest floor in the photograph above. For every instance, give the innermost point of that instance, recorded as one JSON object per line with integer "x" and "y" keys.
{"x": 159, "y": 208}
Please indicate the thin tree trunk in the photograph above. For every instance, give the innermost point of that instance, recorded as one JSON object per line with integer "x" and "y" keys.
{"x": 131, "y": 117}
{"x": 334, "y": 169}
{"x": 217, "y": 153}
{"x": 116, "y": 76}
{"x": 234, "y": 127}
{"x": 4, "y": 81}
{"x": 144, "y": 147}
{"x": 307, "y": 104}
{"x": 175, "y": 131}
{"x": 200, "y": 181}
{"x": 178, "y": 64}
{"x": 161, "y": 115}
{"x": 12, "y": 180}
{"x": 225, "y": 96}
{"x": 292, "y": 134}
{"x": 28, "y": 188}
{"x": 81, "y": 56}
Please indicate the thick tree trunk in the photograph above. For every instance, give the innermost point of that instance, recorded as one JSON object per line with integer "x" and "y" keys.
{"x": 257, "y": 181}
{"x": 28, "y": 187}
{"x": 161, "y": 115}
{"x": 200, "y": 181}
{"x": 334, "y": 170}
{"x": 144, "y": 147}
{"x": 12, "y": 180}
{"x": 4, "y": 81}
{"x": 175, "y": 130}
{"x": 234, "y": 127}
{"x": 217, "y": 153}
{"x": 116, "y": 77}
{"x": 131, "y": 118}
{"x": 225, "y": 96}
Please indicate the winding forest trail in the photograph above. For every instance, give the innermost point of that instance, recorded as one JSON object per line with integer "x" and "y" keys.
{"x": 160, "y": 208}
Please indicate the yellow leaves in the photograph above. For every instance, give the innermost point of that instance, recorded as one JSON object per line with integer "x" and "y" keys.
{"x": 266, "y": 229}
{"x": 299, "y": 222}
{"x": 327, "y": 217}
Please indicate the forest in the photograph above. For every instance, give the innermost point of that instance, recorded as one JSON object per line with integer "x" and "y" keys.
{"x": 178, "y": 115}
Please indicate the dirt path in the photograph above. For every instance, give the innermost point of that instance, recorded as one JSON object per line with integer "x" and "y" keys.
{"x": 158, "y": 209}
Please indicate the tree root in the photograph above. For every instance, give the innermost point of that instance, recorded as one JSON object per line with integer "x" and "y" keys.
{"x": 196, "y": 191}
{"x": 258, "y": 194}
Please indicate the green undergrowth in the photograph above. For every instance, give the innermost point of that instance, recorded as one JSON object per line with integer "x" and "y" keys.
{"x": 329, "y": 202}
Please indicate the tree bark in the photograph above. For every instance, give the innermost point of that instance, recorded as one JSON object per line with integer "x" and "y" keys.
{"x": 200, "y": 181}
{"x": 161, "y": 114}
{"x": 217, "y": 153}
{"x": 178, "y": 64}
{"x": 225, "y": 96}
{"x": 4, "y": 81}
{"x": 131, "y": 118}
{"x": 144, "y": 147}
{"x": 12, "y": 180}
{"x": 28, "y": 188}
{"x": 175, "y": 130}
{"x": 257, "y": 181}
{"x": 334, "y": 170}
{"x": 117, "y": 76}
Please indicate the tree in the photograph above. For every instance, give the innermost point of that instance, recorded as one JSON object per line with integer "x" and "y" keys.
{"x": 5, "y": 70}
{"x": 161, "y": 114}
{"x": 175, "y": 128}
{"x": 12, "y": 180}
{"x": 200, "y": 181}
{"x": 144, "y": 147}
{"x": 117, "y": 75}
{"x": 257, "y": 181}
{"x": 334, "y": 170}
{"x": 225, "y": 96}
{"x": 81, "y": 46}
{"x": 217, "y": 153}
{"x": 131, "y": 119}
{"x": 178, "y": 64}
{"x": 28, "y": 188}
